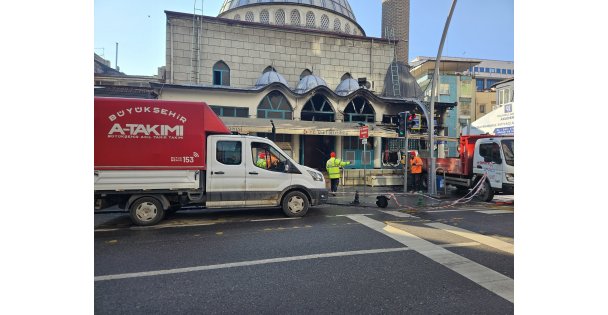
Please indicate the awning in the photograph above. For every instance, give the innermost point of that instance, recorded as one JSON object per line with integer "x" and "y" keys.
{"x": 299, "y": 127}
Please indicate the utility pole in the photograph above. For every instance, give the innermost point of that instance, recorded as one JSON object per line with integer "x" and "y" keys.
{"x": 432, "y": 176}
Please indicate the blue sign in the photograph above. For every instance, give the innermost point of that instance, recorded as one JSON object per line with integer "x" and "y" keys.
{"x": 504, "y": 131}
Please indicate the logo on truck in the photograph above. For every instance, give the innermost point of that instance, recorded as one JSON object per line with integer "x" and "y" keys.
{"x": 146, "y": 131}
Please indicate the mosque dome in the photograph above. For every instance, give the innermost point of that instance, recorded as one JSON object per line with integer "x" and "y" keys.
{"x": 270, "y": 76}
{"x": 308, "y": 83}
{"x": 325, "y": 15}
{"x": 347, "y": 86}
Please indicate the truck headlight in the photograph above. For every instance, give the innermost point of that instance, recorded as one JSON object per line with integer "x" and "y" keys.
{"x": 510, "y": 177}
{"x": 316, "y": 175}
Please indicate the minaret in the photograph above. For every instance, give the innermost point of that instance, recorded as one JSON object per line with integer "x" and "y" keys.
{"x": 396, "y": 15}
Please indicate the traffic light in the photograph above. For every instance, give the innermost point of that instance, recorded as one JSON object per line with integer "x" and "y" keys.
{"x": 401, "y": 118}
{"x": 410, "y": 121}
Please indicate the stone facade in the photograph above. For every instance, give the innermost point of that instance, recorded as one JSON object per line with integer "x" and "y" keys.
{"x": 248, "y": 48}
{"x": 396, "y": 16}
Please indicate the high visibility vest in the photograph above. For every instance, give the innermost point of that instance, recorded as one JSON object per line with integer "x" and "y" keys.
{"x": 416, "y": 165}
{"x": 333, "y": 167}
{"x": 261, "y": 163}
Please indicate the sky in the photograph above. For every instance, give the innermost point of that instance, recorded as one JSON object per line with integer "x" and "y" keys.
{"x": 479, "y": 28}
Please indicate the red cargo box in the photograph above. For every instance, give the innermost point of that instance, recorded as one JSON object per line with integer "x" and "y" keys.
{"x": 152, "y": 134}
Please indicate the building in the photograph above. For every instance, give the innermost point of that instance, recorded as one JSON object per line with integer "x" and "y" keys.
{"x": 111, "y": 82}
{"x": 306, "y": 68}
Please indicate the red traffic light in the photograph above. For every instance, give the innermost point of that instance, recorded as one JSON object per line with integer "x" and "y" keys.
{"x": 411, "y": 117}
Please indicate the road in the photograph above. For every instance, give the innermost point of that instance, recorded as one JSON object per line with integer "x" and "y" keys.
{"x": 337, "y": 259}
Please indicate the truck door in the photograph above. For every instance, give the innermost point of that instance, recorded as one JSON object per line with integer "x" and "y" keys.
{"x": 267, "y": 176}
{"x": 489, "y": 160}
{"x": 226, "y": 179}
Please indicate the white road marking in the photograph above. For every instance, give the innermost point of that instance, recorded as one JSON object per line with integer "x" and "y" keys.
{"x": 483, "y": 239}
{"x": 246, "y": 263}
{"x": 495, "y": 211}
{"x": 467, "y": 244}
{"x": 278, "y": 219}
{"x": 493, "y": 281}
{"x": 453, "y": 210}
{"x": 400, "y": 214}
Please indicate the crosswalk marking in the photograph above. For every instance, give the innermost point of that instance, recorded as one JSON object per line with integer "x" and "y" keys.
{"x": 495, "y": 212}
{"x": 483, "y": 239}
{"x": 500, "y": 284}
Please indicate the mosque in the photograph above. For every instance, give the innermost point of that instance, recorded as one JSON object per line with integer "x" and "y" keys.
{"x": 304, "y": 68}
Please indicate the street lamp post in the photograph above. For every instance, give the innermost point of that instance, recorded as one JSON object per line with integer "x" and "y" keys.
{"x": 431, "y": 122}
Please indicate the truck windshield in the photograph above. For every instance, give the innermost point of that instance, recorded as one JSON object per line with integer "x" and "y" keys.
{"x": 507, "y": 148}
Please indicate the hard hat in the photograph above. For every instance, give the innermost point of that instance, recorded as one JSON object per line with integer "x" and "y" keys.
{"x": 333, "y": 154}
{"x": 262, "y": 155}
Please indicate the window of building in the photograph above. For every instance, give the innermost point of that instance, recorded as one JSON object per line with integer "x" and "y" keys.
{"x": 305, "y": 73}
{"x": 229, "y": 152}
{"x": 228, "y": 111}
{"x": 481, "y": 69}
{"x": 479, "y": 85}
{"x": 324, "y": 22}
{"x": 359, "y": 109}
{"x": 221, "y": 74}
{"x": 337, "y": 26}
{"x": 279, "y": 17}
{"x": 490, "y": 82}
{"x": 237, "y": 17}
{"x": 497, "y": 70}
{"x": 310, "y": 20}
{"x": 503, "y": 71}
{"x": 264, "y": 17}
{"x": 295, "y": 17}
{"x": 466, "y": 88}
{"x": 318, "y": 108}
{"x": 275, "y": 106}
{"x": 444, "y": 89}
{"x": 487, "y": 70}
{"x": 347, "y": 28}
{"x": 249, "y": 16}
{"x": 476, "y": 69}
{"x": 482, "y": 108}
{"x": 508, "y": 71}
{"x": 492, "y": 70}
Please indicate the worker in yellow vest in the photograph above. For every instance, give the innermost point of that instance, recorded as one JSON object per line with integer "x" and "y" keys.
{"x": 333, "y": 166}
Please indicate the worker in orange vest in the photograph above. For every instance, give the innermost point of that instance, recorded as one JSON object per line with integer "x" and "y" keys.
{"x": 416, "y": 171}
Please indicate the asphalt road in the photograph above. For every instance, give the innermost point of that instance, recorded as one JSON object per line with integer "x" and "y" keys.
{"x": 337, "y": 259}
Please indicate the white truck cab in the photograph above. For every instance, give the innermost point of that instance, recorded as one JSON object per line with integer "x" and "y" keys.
{"x": 495, "y": 158}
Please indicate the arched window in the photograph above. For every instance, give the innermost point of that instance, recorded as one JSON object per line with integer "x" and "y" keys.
{"x": 275, "y": 106}
{"x": 221, "y": 74}
{"x": 318, "y": 108}
{"x": 310, "y": 19}
{"x": 324, "y": 22}
{"x": 264, "y": 17}
{"x": 279, "y": 17}
{"x": 305, "y": 73}
{"x": 295, "y": 17}
{"x": 237, "y": 17}
{"x": 359, "y": 109}
{"x": 249, "y": 16}
{"x": 347, "y": 28}
{"x": 346, "y": 76}
{"x": 337, "y": 26}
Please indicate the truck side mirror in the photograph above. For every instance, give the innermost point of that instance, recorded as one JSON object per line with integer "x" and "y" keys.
{"x": 286, "y": 167}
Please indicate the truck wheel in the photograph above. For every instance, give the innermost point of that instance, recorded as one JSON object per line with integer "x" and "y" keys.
{"x": 295, "y": 204}
{"x": 146, "y": 211}
{"x": 485, "y": 193}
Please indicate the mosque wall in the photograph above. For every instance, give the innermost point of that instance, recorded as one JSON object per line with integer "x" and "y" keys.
{"x": 249, "y": 48}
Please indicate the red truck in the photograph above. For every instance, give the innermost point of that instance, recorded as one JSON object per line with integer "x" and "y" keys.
{"x": 156, "y": 156}
{"x": 479, "y": 155}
